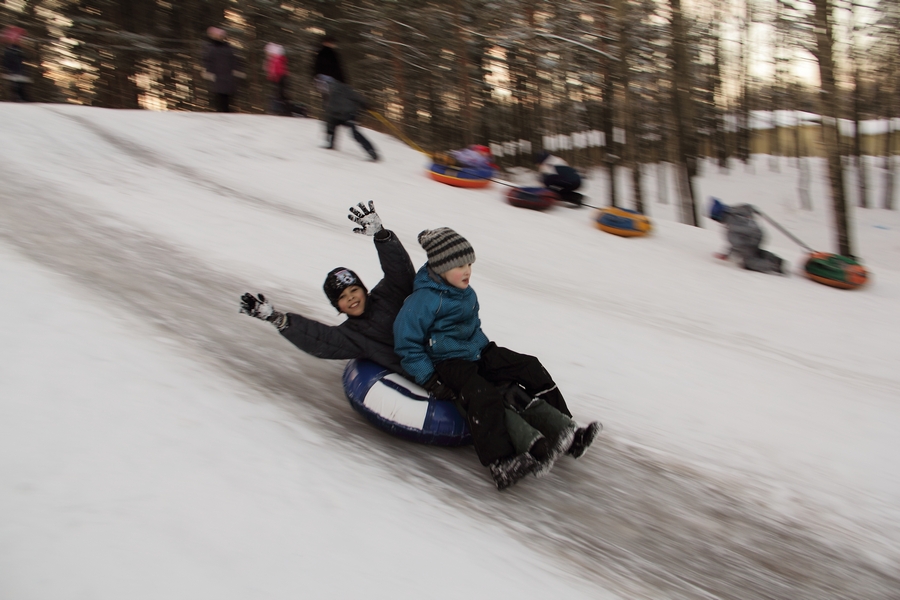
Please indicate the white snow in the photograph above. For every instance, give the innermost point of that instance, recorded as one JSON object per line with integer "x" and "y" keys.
{"x": 131, "y": 468}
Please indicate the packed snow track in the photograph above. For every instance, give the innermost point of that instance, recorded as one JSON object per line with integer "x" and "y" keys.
{"x": 625, "y": 518}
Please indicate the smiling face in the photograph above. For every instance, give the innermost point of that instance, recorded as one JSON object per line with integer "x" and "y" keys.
{"x": 352, "y": 301}
{"x": 458, "y": 277}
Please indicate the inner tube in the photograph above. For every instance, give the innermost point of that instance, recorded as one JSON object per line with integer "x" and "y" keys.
{"x": 835, "y": 270}
{"x": 464, "y": 177}
{"x": 535, "y": 198}
{"x": 623, "y": 222}
{"x": 402, "y": 408}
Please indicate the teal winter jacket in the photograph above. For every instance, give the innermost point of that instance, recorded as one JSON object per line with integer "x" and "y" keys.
{"x": 437, "y": 322}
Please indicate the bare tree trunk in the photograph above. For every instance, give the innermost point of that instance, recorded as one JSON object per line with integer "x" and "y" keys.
{"x": 632, "y": 138}
{"x": 662, "y": 181}
{"x": 743, "y": 121}
{"x": 610, "y": 156}
{"x": 863, "y": 200}
{"x": 889, "y": 163}
{"x": 464, "y": 78}
{"x": 719, "y": 142}
{"x": 399, "y": 79}
{"x": 859, "y": 159}
{"x": 830, "y": 133}
{"x": 803, "y": 184}
{"x": 682, "y": 111}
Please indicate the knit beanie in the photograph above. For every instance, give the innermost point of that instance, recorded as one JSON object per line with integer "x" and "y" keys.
{"x": 337, "y": 281}
{"x": 717, "y": 210}
{"x": 446, "y": 249}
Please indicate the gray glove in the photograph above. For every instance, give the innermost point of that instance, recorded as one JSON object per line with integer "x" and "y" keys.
{"x": 260, "y": 308}
{"x": 368, "y": 220}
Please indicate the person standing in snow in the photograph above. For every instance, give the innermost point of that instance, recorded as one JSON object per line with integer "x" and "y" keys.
{"x": 342, "y": 107}
{"x": 221, "y": 68}
{"x": 438, "y": 336}
{"x": 745, "y": 237}
{"x": 327, "y": 62}
{"x": 368, "y": 330}
{"x": 277, "y": 73}
{"x": 14, "y": 64}
{"x": 557, "y": 175}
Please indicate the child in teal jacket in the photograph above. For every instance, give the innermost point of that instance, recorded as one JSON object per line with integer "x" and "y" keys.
{"x": 438, "y": 336}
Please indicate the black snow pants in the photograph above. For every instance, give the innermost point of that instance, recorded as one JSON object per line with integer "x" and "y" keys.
{"x": 332, "y": 125}
{"x": 483, "y": 404}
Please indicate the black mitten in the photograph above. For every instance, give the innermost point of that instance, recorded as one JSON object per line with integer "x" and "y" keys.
{"x": 438, "y": 389}
{"x": 260, "y": 308}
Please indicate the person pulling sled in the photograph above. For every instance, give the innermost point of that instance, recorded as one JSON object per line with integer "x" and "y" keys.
{"x": 558, "y": 176}
{"x": 745, "y": 237}
{"x": 342, "y": 107}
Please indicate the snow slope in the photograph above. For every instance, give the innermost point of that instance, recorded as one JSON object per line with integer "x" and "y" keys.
{"x": 133, "y": 464}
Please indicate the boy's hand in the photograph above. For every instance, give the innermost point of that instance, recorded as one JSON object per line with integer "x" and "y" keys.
{"x": 438, "y": 389}
{"x": 260, "y": 308}
{"x": 368, "y": 220}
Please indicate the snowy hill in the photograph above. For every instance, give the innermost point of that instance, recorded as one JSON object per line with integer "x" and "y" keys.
{"x": 155, "y": 443}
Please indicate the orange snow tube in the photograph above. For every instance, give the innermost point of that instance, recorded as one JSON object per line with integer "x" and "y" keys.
{"x": 835, "y": 270}
{"x": 465, "y": 177}
{"x": 623, "y": 222}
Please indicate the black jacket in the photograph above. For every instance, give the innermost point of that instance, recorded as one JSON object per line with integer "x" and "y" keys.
{"x": 221, "y": 61}
{"x": 343, "y": 103}
{"x": 14, "y": 60}
{"x": 328, "y": 63}
{"x": 371, "y": 335}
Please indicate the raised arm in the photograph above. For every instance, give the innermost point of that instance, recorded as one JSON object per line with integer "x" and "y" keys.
{"x": 396, "y": 265}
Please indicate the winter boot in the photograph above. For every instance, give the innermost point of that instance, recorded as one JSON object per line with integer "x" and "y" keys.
{"x": 584, "y": 437}
{"x": 507, "y": 471}
{"x": 556, "y": 449}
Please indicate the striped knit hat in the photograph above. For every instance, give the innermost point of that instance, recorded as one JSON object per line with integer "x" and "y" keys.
{"x": 446, "y": 249}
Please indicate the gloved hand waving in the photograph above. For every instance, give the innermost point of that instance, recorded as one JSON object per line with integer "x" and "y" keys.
{"x": 368, "y": 220}
{"x": 257, "y": 306}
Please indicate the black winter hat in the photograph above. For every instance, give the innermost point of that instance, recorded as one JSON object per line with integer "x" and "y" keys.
{"x": 446, "y": 249}
{"x": 338, "y": 280}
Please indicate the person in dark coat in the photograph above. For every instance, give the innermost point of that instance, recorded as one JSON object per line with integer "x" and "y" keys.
{"x": 327, "y": 62}
{"x": 745, "y": 237}
{"x": 441, "y": 344}
{"x": 557, "y": 175}
{"x": 368, "y": 330}
{"x": 14, "y": 64}
{"x": 222, "y": 69}
{"x": 342, "y": 107}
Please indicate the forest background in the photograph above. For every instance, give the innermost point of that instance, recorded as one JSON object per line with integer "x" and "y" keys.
{"x": 608, "y": 84}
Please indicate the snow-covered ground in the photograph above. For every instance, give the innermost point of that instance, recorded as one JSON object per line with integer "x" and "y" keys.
{"x": 156, "y": 443}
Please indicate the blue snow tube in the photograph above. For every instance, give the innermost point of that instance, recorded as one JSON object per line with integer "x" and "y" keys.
{"x": 402, "y": 408}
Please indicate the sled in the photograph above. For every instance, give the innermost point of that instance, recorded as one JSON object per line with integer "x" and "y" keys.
{"x": 402, "y": 408}
{"x": 464, "y": 177}
{"x": 535, "y": 198}
{"x": 623, "y": 222}
{"x": 835, "y": 270}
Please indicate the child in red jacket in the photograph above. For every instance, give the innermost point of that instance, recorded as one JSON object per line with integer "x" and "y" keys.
{"x": 277, "y": 73}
